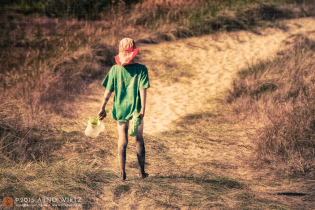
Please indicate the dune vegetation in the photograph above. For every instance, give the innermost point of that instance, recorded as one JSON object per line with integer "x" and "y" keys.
{"x": 280, "y": 93}
{"x": 51, "y": 51}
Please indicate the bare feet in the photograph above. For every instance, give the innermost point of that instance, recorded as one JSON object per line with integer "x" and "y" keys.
{"x": 144, "y": 175}
{"x": 122, "y": 176}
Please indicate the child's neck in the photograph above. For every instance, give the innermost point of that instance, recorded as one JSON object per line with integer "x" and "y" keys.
{"x": 131, "y": 62}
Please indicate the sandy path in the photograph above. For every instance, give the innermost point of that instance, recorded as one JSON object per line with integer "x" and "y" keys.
{"x": 214, "y": 60}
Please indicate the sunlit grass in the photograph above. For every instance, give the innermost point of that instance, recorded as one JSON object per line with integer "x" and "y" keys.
{"x": 279, "y": 94}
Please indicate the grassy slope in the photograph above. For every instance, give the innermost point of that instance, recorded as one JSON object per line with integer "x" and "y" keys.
{"x": 43, "y": 52}
{"x": 280, "y": 94}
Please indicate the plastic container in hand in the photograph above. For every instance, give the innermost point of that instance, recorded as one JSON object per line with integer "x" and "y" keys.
{"x": 135, "y": 122}
{"x": 94, "y": 127}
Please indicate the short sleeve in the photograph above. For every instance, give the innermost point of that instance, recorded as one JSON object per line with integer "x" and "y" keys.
{"x": 108, "y": 82}
{"x": 144, "y": 79}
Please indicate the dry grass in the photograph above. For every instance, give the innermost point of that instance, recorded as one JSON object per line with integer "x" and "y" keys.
{"x": 45, "y": 65}
{"x": 280, "y": 94}
{"x": 185, "y": 172}
{"x": 57, "y": 163}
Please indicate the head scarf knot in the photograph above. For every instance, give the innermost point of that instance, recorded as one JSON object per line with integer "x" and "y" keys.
{"x": 127, "y": 52}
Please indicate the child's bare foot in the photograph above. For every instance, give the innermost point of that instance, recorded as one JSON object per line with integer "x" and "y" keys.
{"x": 144, "y": 175}
{"x": 122, "y": 176}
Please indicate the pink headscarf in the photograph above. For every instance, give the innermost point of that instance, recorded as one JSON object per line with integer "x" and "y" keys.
{"x": 127, "y": 52}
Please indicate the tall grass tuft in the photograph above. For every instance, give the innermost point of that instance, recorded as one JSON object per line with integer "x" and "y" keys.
{"x": 280, "y": 95}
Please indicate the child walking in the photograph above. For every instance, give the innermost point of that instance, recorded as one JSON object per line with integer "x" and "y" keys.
{"x": 129, "y": 81}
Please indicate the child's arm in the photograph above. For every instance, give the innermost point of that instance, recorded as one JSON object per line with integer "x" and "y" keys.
{"x": 105, "y": 100}
{"x": 143, "y": 95}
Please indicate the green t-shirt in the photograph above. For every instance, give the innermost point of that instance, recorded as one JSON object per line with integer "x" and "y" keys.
{"x": 126, "y": 81}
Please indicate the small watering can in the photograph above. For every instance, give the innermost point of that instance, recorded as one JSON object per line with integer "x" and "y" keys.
{"x": 94, "y": 127}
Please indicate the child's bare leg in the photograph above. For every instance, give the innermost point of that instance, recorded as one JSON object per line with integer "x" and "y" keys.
{"x": 122, "y": 146}
{"x": 140, "y": 151}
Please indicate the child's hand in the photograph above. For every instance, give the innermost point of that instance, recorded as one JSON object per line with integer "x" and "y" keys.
{"x": 102, "y": 114}
{"x": 141, "y": 114}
